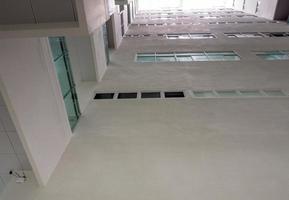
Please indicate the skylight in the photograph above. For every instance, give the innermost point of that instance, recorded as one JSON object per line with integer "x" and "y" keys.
{"x": 183, "y": 4}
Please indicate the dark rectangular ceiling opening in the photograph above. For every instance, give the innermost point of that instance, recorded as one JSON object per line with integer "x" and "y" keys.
{"x": 174, "y": 94}
{"x": 146, "y": 95}
{"x": 104, "y": 96}
{"x": 127, "y": 95}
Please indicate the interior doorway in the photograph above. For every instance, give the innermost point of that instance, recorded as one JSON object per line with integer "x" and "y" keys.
{"x": 62, "y": 64}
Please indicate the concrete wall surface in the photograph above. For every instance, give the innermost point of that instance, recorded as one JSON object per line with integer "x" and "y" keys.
{"x": 230, "y": 146}
{"x": 116, "y": 24}
{"x": 96, "y": 13}
{"x": 125, "y": 18}
{"x": 98, "y": 46}
{"x": 87, "y": 57}
{"x": 81, "y": 58}
{"x": 30, "y": 86}
{"x": 251, "y": 72}
{"x": 267, "y": 7}
{"x": 12, "y": 154}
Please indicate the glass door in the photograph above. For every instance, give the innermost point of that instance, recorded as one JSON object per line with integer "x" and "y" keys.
{"x": 64, "y": 73}
{"x": 105, "y": 38}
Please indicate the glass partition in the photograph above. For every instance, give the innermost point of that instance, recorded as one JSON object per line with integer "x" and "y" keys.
{"x": 62, "y": 65}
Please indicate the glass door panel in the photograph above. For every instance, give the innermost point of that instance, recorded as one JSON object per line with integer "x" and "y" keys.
{"x": 70, "y": 109}
{"x": 65, "y": 78}
{"x": 105, "y": 38}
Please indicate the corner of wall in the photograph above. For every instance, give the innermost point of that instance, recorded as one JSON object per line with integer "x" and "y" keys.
{"x": 98, "y": 49}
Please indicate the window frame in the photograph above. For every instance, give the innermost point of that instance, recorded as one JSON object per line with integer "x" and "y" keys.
{"x": 276, "y": 55}
{"x": 178, "y": 36}
{"x": 201, "y": 56}
{"x": 241, "y": 35}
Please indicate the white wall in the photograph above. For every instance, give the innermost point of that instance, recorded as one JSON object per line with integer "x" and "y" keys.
{"x": 266, "y": 9}
{"x": 98, "y": 47}
{"x": 250, "y": 6}
{"x": 83, "y": 67}
{"x": 12, "y": 154}
{"x": 81, "y": 58}
{"x": 87, "y": 56}
{"x": 239, "y": 4}
{"x": 96, "y": 13}
{"x": 125, "y": 18}
{"x": 30, "y": 87}
{"x": 116, "y": 26}
{"x": 111, "y": 5}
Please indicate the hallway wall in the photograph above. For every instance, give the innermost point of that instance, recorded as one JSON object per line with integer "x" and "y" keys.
{"x": 35, "y": 102}
{"x": 81, "y": 58}
{"x": 98, "y": 50}
{"x": 12, "y": 154}
{"x": 267, "y": 7}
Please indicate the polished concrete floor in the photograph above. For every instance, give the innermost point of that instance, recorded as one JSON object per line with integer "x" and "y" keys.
{"x": 222, "y": 149}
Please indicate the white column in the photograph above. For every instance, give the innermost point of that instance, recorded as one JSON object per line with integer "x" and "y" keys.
{"x": 30, "y": 88}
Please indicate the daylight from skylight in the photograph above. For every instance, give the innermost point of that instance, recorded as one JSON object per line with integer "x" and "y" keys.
{"x": 183, "y": 4}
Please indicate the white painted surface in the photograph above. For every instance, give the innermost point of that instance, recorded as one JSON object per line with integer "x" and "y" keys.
{"x": 12, "y": 154}
{"x": 96, "y": 13}
{"x": 81, "y": 58}
{"x": 250, "y": 6}
{"x": 98, "y": 47}
{"x": 266, "y": 9}
{"x": 2, "y": 186}
{"x": 125, "y": 18}
{"x": 30, "y": 85}
{"x": 88, "y": 64}
{"x": 180, "y": 149}
{"x": 87, "y": 56}
{"x": 173, "y": 149}
{"x": 111, "y": 6}
{"x": 239, "y": 4}
{"x": 85, "y": 92}
{"x": 24, "y": 189}
{"x": 116, "y": 26}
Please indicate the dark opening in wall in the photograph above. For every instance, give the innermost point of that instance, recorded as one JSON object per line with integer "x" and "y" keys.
{"x": 110, "y": 34}
{"x": 282, "y": 10}
{"x": 104, "y": 96}
{"x": 174, "y": 95}
{"x": 279, "y": 34}
{"x": 145, "y": 95}
{"x": 128, "y": 95}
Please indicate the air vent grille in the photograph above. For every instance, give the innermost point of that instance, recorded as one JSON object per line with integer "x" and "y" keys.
{"x": 104, "y": 96}
{"x": 196, "y": 94}
{"x": 127, "y": 95}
